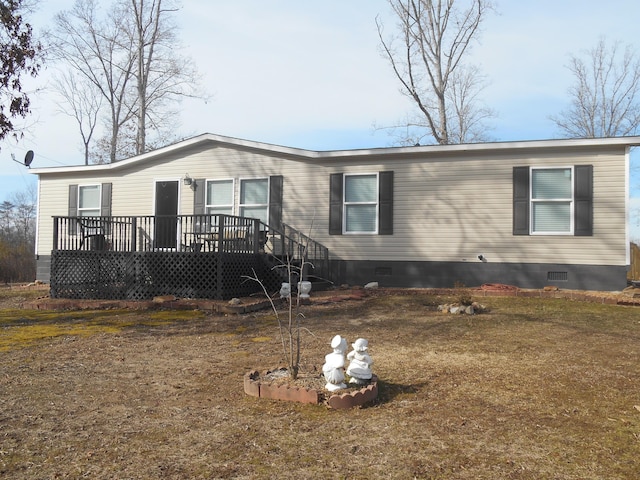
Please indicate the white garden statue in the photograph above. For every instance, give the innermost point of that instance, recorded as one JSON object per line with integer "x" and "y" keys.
{"x": 285, "y": 290}
{"x": 333, "y": 368}
{"x": 360, "y": 363}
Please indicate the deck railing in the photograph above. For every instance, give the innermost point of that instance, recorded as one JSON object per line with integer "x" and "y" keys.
{"x": 291, "y": 246}
{"x": 197, "y": 256}
{"x": 205, "y": 233}
{"x": 151, "y": 233}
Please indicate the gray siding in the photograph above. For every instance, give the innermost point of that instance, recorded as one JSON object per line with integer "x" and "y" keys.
{"x": 451, "y": 274}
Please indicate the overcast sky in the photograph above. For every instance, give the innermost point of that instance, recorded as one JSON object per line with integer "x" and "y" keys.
{"x": 309, "y": 74}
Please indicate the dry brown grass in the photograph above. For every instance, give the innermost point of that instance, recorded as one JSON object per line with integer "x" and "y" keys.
{"x": 534, "y": 389}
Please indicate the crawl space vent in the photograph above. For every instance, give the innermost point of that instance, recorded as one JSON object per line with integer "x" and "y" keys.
{"x": 557, "y": 276}
{"x": 383, "y": 271}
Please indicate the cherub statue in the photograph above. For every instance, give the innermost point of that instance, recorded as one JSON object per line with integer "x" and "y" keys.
{"x": 333, "y": 368}
{"x": 360, "y": 363}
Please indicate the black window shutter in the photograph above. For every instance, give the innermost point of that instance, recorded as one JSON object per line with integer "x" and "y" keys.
{"x": 73, "y": 201}
{"x": 105, "y": 201}
{"x": 521, "y": 200}
{"x": 335, "y": 204}
{"x": 385, "y": 203}
{"x": 199, "y": 196}
{"x": 73, "y": 208}
{"x": 276, "y": 183}
{"x": 583, "y": 198}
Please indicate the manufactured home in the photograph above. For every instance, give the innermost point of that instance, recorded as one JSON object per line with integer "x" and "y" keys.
{"x": 198, "y": 217}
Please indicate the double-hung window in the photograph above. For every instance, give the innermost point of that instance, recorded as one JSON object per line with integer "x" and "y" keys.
{"x": 219, "y": 200}
{"x": 254, "y": 198}
{"x": 249, "y": 197}
{"x": 360, "y": 203}
{"x": 552, "y": 201}
{"x": 89, "y": 200}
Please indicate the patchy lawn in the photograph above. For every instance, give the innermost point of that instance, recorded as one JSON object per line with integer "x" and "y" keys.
{"x": 533, "y": 389}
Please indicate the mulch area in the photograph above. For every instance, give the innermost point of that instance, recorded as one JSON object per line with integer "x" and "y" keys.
{"x": 630, "y": 296}
{"x": 238, "y": 306}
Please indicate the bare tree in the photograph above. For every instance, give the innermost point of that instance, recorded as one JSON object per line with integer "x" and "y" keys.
{"x": 130, "y": 54}
{"x": 98, "y": 51}
{"x": 467, "y": 124}
{"x": 605, "y": 100}
{"x": 82, "y": 102}
{"x": 24, "y": 215}
{"x": 427, "y": 57}
{"x": 6, "y": 217}
{"x": 162, "y": 77}
{"x": 17, "y": 237}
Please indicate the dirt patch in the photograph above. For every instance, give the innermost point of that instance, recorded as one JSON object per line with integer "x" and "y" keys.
{"x": 536, "y": 388}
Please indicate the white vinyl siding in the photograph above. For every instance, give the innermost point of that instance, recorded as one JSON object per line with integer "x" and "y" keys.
{"x": 360, "y": 204}
{"x": 455, "y": 208}
{"x": 552, "y": 201}
{"x": 446, "y": 207}
{"x": 219, "y": 197}
{"x": 89, "y": 200}
{"x": 254, "y": 198}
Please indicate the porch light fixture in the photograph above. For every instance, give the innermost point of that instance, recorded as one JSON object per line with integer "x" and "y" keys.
{"x": 187, "y": 179}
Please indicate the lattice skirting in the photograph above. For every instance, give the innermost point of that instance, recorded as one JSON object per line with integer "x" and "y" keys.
{"x": 144, "y": 275}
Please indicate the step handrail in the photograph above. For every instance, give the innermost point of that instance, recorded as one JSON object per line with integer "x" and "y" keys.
{"x": 291, "y": 245}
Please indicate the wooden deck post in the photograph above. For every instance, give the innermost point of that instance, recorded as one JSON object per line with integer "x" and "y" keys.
{"x": 134, "y": 234}
{"x": 256, "y": 236}
{"x": 55, "y": 232}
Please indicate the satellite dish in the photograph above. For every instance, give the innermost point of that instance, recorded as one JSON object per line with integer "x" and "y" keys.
{"x": 28, "y": 158}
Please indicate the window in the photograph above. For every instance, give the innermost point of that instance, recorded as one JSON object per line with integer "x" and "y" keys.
{"x": 219, "y": 197}
{"x": 258, "y": 198}
{"x": 551, "y": 200}
{"x": 254, "y": 198}
{"x": 89, "y": 200}
{"x": 360, "y": 203}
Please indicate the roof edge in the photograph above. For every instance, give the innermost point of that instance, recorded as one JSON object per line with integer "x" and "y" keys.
{"x": 337, "y": 154}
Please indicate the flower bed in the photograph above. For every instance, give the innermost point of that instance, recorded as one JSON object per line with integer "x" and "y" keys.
{"x": 254, "y": 386}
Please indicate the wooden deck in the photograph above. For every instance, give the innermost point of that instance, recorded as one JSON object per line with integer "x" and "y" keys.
{"x": 196, "y": 256}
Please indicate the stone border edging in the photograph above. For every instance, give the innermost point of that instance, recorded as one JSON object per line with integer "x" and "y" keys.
{"x": 256, "y": 388}
{"x": 172, "y": 304}
{"x": 585, "y": 296}
{"x": 357, "y": 293}
{"x": 611, "y": 298}
{"x": 355, "y": 399}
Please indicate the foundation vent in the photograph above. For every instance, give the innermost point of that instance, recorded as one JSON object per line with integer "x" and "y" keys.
{"x": 557, "y": 276}
{"x": 383, "y": 272}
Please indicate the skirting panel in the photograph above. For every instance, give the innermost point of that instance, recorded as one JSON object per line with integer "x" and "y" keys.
{"x": 144, "y": 275}
{"x": 43, "y": 268}
{"x": 471, "y": 274}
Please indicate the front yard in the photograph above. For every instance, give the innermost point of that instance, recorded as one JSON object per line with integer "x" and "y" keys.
{"x": 533, "y": 389}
